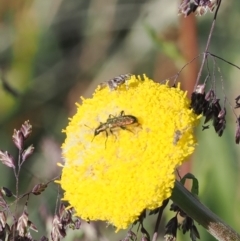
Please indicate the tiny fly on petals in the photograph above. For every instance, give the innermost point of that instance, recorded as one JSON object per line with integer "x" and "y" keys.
{"x": 178, "y": 134}
{"x": 116, "y": 81}
{"x": 177, "y": 137}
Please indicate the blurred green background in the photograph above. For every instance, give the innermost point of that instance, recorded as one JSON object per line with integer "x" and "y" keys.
{"x": 52, "y": 52}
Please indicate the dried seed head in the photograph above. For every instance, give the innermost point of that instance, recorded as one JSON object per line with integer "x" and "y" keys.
{"x": 27, "y": 152}
{"x": 58, "y": 230}
{"x": 5, "y": 232}
{"x": 187, "y": 224}
{"x": 43, "y": 238}
{"x": 39, "y": 188}
{"x": 216, "y": 106}
{"x": 18, "y": 139}
{"x": 6, "y": 192}
{"x": 169, "y": 237}
{"x": 145, "y": 234}
{"x": 220, "y": 126}
{"x": 210, "y": 95}
{"x": 200, "y": 89}
{"x": 186, "y": 7}
{"x": 3, "y": 203}
{"x": 3, "y": 219}
{"x": 65, "y": 215}
{"x": 175, "y": 208}
{"x": 200, "y": 6}
{"x": 144, "y": 238}
{"x": 213, "y": 111}
{"x": 171, "y": 229}
{"x": 198, "y": 102}
{"x": 26, "y": 129}
{"x": 130, "y": 236}
{"x": 222, "y": 113}
{"x": 7, "y": 159}
{"x": 77, "y": 223}
{"x": 62, "y": 210}
{"x": 237, "y": 102}
{"x": 32, "y": 226}
{"x": 194, "y": 233}
{"x": 208, "y": 115}
{"x": 22, "y": 224}
{"x": 237, "y": 135}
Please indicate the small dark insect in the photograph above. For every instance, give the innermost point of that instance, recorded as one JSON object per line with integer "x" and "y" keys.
{"x": 177, "y": 136}
{"x": 205, "y": 127}
{"x": 116, "y": 81}
{"x": 114, "y": 122}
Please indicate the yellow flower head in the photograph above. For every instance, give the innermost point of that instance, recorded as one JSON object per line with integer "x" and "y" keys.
{"x": 122, "y": 148}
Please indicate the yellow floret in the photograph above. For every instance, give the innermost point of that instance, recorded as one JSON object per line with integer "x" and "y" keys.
{"x": 115, "y": 178}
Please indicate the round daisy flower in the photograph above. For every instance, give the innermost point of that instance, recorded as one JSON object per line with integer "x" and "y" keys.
{"x": 122, "y": 148}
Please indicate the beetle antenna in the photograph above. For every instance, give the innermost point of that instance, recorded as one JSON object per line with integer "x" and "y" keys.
{"x": 91, "y": 129}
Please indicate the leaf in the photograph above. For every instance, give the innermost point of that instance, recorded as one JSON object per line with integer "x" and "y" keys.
{"x": 195, "y": 186}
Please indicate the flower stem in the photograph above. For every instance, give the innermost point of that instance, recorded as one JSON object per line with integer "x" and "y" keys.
{"x": 205, "y": 53}
{"x": 201, "y": 214}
